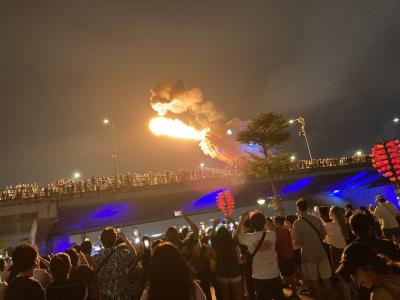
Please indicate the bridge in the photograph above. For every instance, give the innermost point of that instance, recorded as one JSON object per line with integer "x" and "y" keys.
{"x": 51, "y": 221}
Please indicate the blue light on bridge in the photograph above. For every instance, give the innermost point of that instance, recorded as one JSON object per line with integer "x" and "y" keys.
{"x": 346, "y": 183}
{"x": 204, "y": 202}
{"x": 297, "y": 186}
{"x": 110, "y": 210}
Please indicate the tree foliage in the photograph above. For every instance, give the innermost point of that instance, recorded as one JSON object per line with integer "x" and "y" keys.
{"x": 268, "y": 131}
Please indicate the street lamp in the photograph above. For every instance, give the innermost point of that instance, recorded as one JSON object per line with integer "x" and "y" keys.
{"x": 302, "y": 132}
{"x": 358, "y": 153}
{"x": 107, "y": 122}
{"x": 292, "y": 158}
{"x": 77, "y": 175}
{"x": 396, "y": 120}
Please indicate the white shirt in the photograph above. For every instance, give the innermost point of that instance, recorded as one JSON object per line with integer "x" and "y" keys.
{"x": 334, "y": 235}
{"x": 265, "y": 263}
{"x": 386, "y": 213}
{"x": 43, "y": 277}
{"x": 198, "y": 293}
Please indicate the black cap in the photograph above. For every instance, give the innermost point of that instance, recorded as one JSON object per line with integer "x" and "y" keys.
{"x": 356, "y": 255}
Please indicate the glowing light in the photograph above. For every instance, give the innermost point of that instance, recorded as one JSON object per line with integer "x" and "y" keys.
{"x": 291, "y": 121}
{"x": 297, "y": 186}
{"x": 261, "y": 201}
{"x": 175, "y": 128}
{"x": 106, "y": 121}
{"x": 292, "y": 158}
{"x": 202, "y": 165}
{"x": 229, "y": 132}
{"x": 336, "y": 191}
{"x": 359, "y": 153}
{"x": 77, "y": 175}
{"x": 396, "y": 120}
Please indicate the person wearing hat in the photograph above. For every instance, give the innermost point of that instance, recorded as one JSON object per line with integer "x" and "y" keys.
{"x": 371, "y": 271}
{"x": 386, "y": 213}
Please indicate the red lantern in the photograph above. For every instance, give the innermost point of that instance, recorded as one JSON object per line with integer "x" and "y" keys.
{"x": 225, "y": 202}
{"x": 386, "y": 159}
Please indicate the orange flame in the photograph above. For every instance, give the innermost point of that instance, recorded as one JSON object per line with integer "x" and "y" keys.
{"x": 163, "y": 126}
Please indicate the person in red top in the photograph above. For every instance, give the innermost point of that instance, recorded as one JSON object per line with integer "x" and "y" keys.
{"x": 284, "y": 248}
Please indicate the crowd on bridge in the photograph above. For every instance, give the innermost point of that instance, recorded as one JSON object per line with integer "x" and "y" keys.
{"x": 70, "y": 187}
{"x": 326, "y": 253}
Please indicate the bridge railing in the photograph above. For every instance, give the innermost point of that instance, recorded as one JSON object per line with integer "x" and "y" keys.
{"x": 68, "y": 188}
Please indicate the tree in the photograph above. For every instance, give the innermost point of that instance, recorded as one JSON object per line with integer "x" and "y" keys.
{"x": 267, "y": 131}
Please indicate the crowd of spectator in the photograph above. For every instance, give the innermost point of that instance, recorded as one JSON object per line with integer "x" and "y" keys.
{"x": 327, "y": 253}
{"x": 69, "y": 188}
{"x": 335, "y": 162}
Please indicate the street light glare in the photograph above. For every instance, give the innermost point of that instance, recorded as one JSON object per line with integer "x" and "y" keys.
{"x": 359, "y": 153}
{"x": 77, "y": 175}
{"x": 291, "y": 121}
{"x": 106, "y": 121}
{"x": 202, "y": 165}
{"x": 396, "y": 120}
{"x": 261, "y": 201}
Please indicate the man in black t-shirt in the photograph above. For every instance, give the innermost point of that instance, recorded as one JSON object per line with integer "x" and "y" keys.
{"x": 63, "y": 287}
{"x": 23, "y": 286}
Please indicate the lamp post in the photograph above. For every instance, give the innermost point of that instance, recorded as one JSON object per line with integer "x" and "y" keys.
{"x": 302, "y": 132}
{"x": 107, "y": 122}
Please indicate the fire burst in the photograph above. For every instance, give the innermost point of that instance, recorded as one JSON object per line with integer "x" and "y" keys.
{"x": 163, "y": 126}
{"x": 216, "y": 139}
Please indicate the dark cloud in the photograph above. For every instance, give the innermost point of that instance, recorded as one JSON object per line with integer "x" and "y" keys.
{"x": 67, "y": 64}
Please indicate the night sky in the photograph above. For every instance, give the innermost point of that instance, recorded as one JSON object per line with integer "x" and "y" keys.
{"x": 65, "y": 65}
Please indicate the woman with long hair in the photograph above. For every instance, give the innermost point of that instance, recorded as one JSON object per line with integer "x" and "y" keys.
{"x": 337, "y": 235}
{"x": 229, "y": 279}
{"x": 170, "y": 277}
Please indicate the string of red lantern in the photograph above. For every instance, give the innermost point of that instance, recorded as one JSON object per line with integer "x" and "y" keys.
{"x": 386, "y": 159}
{"x": 225, "y": 202}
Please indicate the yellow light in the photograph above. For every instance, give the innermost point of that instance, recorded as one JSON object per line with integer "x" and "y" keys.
{"x": 291, "y": 121}
{"x": 202, "y": 165}
{"x": 359, "y": 153}
{"x": 175, "y": 128}
{"x": 229, "y": 132}
{"x": 77, "y": 175}
{"x": 292, "y": 158}
{"x": 106, "y": 121}
{"x": 261, "y": 201}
